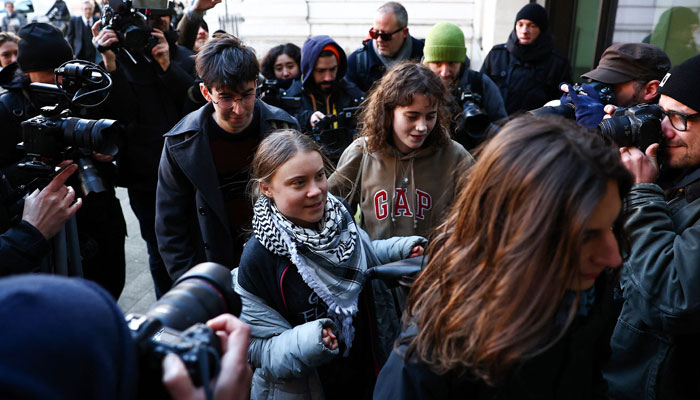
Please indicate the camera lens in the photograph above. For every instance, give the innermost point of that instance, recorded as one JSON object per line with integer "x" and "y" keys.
{"x": 98, "y": 135}
{"x": 202, "y": 293}
{"x": 619, "y": 129}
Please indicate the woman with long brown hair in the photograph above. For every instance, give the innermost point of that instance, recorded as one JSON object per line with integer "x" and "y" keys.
{"x": 404, "y": 167}
{"x": 516, "y": 301}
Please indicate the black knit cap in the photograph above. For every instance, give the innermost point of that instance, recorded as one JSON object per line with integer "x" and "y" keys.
{"x": 535, "y": 13}
{"x": 682, "y": 83}
{"x": 42, "y": 47}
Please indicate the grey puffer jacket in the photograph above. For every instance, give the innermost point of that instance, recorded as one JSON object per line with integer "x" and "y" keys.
{"x": 286, "y": 357}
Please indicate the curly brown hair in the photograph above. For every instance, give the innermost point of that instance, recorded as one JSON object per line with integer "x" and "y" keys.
{"x": 397, "y": 88}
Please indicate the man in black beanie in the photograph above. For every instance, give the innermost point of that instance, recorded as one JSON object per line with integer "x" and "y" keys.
{"x": 101, "y": 226}
{"x": 656, "y": 342}
{"x": 527, "y": 69}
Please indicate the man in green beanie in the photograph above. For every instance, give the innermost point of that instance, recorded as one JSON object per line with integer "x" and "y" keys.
{"x": 478, "y": 97}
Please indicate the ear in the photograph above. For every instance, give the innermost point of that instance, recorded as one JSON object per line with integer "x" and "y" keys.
{"x": 404, "y": 33}
{"x": 650, "y": 90}
{"x": 205, "y": 91}
{"x": 264, "y": 188}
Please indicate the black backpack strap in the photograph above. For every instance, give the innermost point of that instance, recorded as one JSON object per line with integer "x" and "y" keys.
{"x": 362, "y": 63}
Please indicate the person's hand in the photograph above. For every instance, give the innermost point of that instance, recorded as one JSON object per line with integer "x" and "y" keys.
{"x": 643, "y": 167}
{"x": 315, "y": 117}
{"x": 102, "y": 157}
{"x": 161, "y": 51}
{"x": 104, "y": 39}
{"x": 328, "y": 338}
{"x": 609, "y": 110}
{"x": 47, "y": 210}
{"x": 589, "y": 109}
{"x": 416, "y": 252}
{"x": 200, "y": 6}
{"x": 234, "y": 379}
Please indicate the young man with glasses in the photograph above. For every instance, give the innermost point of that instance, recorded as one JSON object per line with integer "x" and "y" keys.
{"x": 202, "y": 211}
{"x": 388, "y": 43}
{"x": 657, "y": 338}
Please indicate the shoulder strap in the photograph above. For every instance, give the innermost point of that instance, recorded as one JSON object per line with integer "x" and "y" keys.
{"x": 362, "y": 63}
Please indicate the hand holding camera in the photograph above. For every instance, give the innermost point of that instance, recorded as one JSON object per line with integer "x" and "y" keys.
{"x": 235, "y": 376}
{"x": 587, "y": 103}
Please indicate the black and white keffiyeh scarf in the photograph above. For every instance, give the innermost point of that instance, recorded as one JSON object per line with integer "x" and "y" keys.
{"x": 331, "y": 260}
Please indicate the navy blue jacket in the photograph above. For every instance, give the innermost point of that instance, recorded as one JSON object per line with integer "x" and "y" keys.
{"x": 344, "y": 94}
{"x": 22, "y": 249}
{"x": 191, "y": 220}
{"x": 365, "y": 67}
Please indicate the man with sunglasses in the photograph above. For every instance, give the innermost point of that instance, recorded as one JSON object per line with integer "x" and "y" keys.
{"x": 656, "y": 342}
{"x": 388, "y": 43}
{"x": 202, "y": 211}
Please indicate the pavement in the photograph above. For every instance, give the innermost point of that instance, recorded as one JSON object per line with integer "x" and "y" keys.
{"x": 138, "y": 294}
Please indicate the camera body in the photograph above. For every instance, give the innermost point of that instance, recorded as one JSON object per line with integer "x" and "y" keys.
{"x": 638, "y": 126}
{"x": 175, "y": 324}
{"x": 472, "y": 118}
{"x": 129, "y": 19}
{"x": 271, "y": 93}
{"x": 54, "y": 136}
{"x": 335, "y": 132}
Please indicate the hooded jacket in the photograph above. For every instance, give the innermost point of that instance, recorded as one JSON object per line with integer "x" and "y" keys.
{"x": 527, "y": 76}
{"x": 400, "y": 194}
{"x": 343, "y": 94}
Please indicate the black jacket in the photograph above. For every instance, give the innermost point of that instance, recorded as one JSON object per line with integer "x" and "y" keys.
{"x": 570, "y": 369}
{"x": 365, "y": 67}
{"x": 148, "y": 102}
{"x": 527, "y": 76}
{"x": 80, "y": 38}
{"x": 191, "y": 220}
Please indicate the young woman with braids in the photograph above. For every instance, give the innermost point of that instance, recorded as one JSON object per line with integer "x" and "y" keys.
{"x": 403, "y": 169}
{"x": 318, "y": 328}
{"x": 517, "y": 299}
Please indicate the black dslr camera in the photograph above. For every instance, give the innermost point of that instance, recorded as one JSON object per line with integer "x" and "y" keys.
{"x": 638, "y": 126}
{"x": 129, "y": 19}
{"x": 472, "y": 118}
{"x": 335, "y": 132}
{"x": 568, "y": 110}
{"x": 175, "y": 324}
{"x": 271, "y": 93}
{"x": 54, "y": 135}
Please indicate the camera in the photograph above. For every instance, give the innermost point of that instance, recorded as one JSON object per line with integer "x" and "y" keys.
{"x": 335, "y": 132}
{"x": 54, "y": 135}
{"x": 472, "y": 118}
{"x": 129, "y": 19}
{"x": 175, "y": 324}
{"x": 568, "y": 110}
{"x": 638, "y": 126}
{"x": 272, "y": 93}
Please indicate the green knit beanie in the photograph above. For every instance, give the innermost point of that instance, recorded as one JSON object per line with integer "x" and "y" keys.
{"x": 444, "y": 42}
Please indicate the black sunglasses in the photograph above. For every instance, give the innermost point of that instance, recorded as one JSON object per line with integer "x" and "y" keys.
{"x": 385, "y": 36}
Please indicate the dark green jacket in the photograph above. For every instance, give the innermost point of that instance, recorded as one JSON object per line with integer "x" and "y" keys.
{"x": 656, "y": 343}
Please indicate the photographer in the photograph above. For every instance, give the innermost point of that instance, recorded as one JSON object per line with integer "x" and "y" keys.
{"x": 632, "y": 70}
{"x": 150, "y": 90}
{"x": 475, "y": 93}
{"x": 101, "y": 226}
{"x": 67, "y": 339}
{"x": 655, "y": 343}
{"x": 323, "y": 89}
